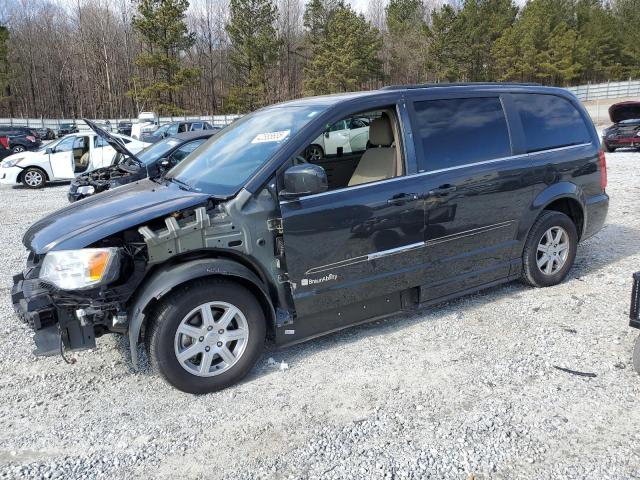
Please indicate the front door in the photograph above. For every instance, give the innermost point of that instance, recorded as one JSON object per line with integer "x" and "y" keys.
{"x": 353, "y": 244}
{"x": 351, "y": 250}
{"x": 61, "y": 159}
{"x": 337, "y": 139}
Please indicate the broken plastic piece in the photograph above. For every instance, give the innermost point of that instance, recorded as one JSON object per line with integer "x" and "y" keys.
{"x": 575, "y": 372}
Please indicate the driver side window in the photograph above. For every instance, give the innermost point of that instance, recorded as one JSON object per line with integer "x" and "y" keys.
{"x": 366, "y": 149}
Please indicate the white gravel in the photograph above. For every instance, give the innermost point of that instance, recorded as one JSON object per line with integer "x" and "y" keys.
{"x": 463, "y": 390}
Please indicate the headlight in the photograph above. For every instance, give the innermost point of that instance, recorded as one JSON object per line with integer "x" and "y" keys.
{"x": 86, "y": 190}
{"x": 11, "y": 162}
{"x": 79, "y": 269}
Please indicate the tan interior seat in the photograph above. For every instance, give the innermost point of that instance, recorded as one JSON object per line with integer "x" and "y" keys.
{"x": 379, "y": 161}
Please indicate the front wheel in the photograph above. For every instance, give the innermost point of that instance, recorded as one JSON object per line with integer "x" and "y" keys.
{"x": 206, "y": 335}
{"x": 550, "y": 249}
{"x": 18, "y": 149}
{"x": 314, "y": 153}
{"x": 33, "y": 178}
{"x": 609, "y": 149}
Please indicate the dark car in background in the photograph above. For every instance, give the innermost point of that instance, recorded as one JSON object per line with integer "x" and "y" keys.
{"x": 151, "y": 162}
{"x": 66, "y": 128}
{"x": 4, "y": 148}
{"x": 45, "y": 133}
{"x": 20, "y": 138}
{"x": 171, "y": 129}
{"x": 458, "y": 188}
{"x": 625, "y": 131}
{"x": 124, "y": 128}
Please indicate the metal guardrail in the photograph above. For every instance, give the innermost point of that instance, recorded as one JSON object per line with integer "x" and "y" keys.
{"x": 598, "y": 91}
{"x": 54, "y": 124}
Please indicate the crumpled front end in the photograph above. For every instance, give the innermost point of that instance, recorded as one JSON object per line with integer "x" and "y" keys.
{"x": 99, "y": 181}
{"x": 54, "y": 327}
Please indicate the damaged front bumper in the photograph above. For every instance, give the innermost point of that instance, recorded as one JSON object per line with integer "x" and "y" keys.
{"x": 55, "y": 328}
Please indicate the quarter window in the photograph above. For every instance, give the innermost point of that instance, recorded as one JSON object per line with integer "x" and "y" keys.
{"x": 550, "y": 121}
{"x": 461, "y": 131}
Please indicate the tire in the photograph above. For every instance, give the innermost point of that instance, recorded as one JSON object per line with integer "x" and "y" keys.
{"x": 609, "y": 149}
{"x": 314, "y": 153}
{"x": 34, "y": 177}
{"x": 182, "y": 309}
{"x": 536, "y": 271}
{"x": 636, "y": 355}
{"x": 18, "y": 149}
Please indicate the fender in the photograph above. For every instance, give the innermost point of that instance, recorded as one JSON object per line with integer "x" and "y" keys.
{"x": 167, "y": 277}
{"x": 550, "y": 194}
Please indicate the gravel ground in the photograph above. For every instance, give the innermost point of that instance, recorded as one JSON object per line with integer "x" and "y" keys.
{"x": 467, "y": 389}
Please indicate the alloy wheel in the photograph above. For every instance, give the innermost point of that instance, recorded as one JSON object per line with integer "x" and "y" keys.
{"x": 18, "y": 149}
{"x": 553, "y": 250}
{"x": 33, "y": 178}
{"x": 211, "y": 338}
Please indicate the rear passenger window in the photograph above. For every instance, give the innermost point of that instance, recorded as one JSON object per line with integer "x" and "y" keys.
{"x": 550, "y": 122}
{"x": 460, "y": 131}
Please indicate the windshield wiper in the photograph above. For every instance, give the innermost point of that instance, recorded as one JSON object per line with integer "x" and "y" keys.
{"x": 179, "y": 182}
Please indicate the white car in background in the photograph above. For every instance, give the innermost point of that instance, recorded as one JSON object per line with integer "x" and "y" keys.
{"x": 63, "y": 159}
{"x": 346, "y": 136}
{"x": 147, "y": 122}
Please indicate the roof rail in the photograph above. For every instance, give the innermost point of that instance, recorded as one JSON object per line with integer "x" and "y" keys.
{"x": 455, "y": 84}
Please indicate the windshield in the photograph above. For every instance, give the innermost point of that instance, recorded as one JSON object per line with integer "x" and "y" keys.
{"x": 156, "y": 151}
{"x": 225, "y": 162}
{"x": 161, "y": 130}
{"x": 50, "y": 145}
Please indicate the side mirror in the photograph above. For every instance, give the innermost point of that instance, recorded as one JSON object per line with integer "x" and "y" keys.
{"x": 49, "y": 151}
{"x": 304, "y": 179}
{"x": 326, "y": 134}
{"x": 164, "y": 163}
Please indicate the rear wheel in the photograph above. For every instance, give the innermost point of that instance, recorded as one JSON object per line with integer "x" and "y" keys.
{"x": 206, "y": 335}
{"x": 33, "y": 177}
{"x": 550, "y": 249}
{"x": 609, "y": 149}
{"x": 18, "y": 149}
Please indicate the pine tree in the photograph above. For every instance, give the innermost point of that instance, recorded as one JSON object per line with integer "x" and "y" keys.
{"x": 163, "y": 31}
{"x": 446, "y": 46}
{"x": 345, "y": 54}
{"x": 254, "y": 51}
{"x": 5, "y": 91}
{"x": 406, "y": 41}
{"x": 627, "y": 15}
{"x": 482, "y": 23}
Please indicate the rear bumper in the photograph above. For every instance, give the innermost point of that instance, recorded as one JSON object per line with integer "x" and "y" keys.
{"x": 631, "y": 141}
{"x": 597, "y": 208}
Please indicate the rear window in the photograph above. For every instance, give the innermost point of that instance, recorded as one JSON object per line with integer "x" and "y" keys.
{"x": 549, "y": 122}
{"x": 460, "y": 131}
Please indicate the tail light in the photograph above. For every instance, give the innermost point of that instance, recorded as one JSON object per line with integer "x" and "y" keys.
{"x": 31, "y": 138}
{"x": 4, "y": 141}
{"x": 603, "y": 170}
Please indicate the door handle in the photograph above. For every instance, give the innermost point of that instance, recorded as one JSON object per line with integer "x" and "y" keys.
{"x": 442, "y": 190}
{"x": 403, "y": 198}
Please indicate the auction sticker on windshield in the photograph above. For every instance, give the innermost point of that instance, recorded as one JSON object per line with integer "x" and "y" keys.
{"x": 271, "y": 137}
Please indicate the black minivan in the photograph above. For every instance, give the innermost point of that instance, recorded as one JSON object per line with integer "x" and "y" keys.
{"x": 456, "y": 188}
